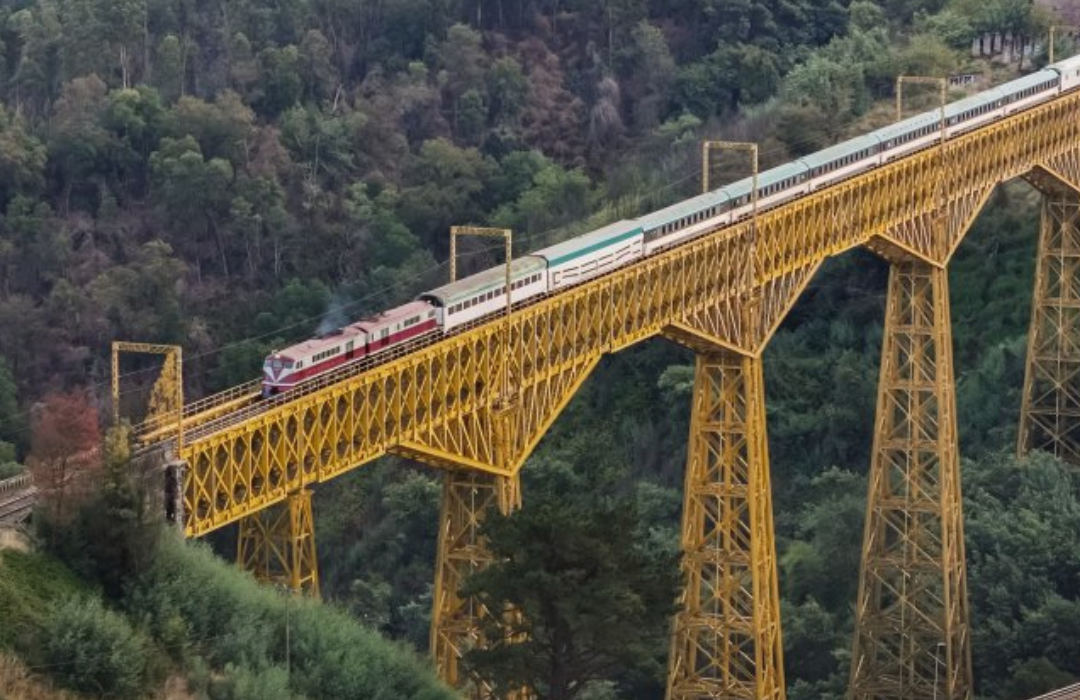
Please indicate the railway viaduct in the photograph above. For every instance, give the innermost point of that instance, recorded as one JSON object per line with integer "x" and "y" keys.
{"x": 238, "y": 459}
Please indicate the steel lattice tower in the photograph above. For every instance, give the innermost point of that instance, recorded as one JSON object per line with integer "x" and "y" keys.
{"x": 726, "y": 641}
{"x": 456, "y": 622}
{"x": 278, "y": 545}
{"x": 1050, "y": 419}
{"x": 911, "y": 618}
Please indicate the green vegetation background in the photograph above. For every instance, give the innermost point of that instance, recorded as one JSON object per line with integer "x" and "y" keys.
{"x": 231, "y": 175}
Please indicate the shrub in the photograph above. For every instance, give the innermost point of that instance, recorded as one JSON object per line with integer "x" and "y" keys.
{"x": 237, "y": 624}
{"x": 93, "y": 650}
{"x": 31, "y": 585}
{"x": 240, "y": 683}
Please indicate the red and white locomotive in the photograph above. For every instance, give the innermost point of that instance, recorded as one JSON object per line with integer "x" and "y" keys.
{"x": 370, "y": 336}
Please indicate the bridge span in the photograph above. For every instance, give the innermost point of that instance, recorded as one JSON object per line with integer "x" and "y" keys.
{"x": 723, "y": 295}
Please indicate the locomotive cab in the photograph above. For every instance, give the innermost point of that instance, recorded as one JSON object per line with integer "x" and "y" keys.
{"x": 276, "y": 371}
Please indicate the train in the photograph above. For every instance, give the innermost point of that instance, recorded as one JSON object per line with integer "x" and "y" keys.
{"x": 571, "y": 262}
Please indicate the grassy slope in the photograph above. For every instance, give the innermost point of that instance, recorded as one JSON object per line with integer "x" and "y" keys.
{"x": 217, "y": 626}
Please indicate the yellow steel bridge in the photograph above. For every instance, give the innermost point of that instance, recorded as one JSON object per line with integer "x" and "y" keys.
{"x": 723, "y": 295}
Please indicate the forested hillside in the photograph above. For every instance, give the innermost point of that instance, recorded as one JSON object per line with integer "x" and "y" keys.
{"x": 229, "y": 176}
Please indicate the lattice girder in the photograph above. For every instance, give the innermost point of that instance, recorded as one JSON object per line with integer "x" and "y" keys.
{"x": 912, "y": 636}
{"x": 277, "y": 545}
{"x": 438, "y": 400}
{"x": 1050, "y": 417}
{"x": 455, "y": 622}
{"x": 726, "y": 638}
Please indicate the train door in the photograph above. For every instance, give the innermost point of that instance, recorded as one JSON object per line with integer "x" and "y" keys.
{"x": 349, "y": 350}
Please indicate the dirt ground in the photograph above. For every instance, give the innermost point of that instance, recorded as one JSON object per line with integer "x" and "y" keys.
{"x": 12, "y": 538}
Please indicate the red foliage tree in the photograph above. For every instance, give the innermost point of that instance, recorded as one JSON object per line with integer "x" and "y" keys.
{"x": 65, "y": 450}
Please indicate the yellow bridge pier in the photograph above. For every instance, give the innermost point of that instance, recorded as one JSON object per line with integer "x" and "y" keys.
{"x": 911, "y": 619}
{"x": 456, "y": 622}
{"x": 726, "y": 640}
{"x": 1050, "y": 419}
{"x": 278, "y": 545}
{"x": 723, "y": 295}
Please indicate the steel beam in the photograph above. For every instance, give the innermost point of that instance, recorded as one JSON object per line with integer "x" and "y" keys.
{"x": 912, "y": 637}
{"x": 726, "y": 641}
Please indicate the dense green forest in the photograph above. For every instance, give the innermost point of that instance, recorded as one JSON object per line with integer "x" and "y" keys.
{"x": 229, "y": 175}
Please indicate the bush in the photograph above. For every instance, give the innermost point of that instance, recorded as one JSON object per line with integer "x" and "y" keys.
{"x": 31, "y": 585}
{"x": 240, "y": 683}
{"x": 236, "y": 624}
{"x": 93, "y": 650}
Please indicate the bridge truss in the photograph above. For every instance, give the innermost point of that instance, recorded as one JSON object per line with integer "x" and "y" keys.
{"x": 723, "y": 295}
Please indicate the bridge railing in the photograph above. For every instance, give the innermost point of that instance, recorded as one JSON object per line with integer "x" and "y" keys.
{"x": 15, "y": 484}
{"x": 199, "y": 410}
{"x": 1070, "y": 692}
